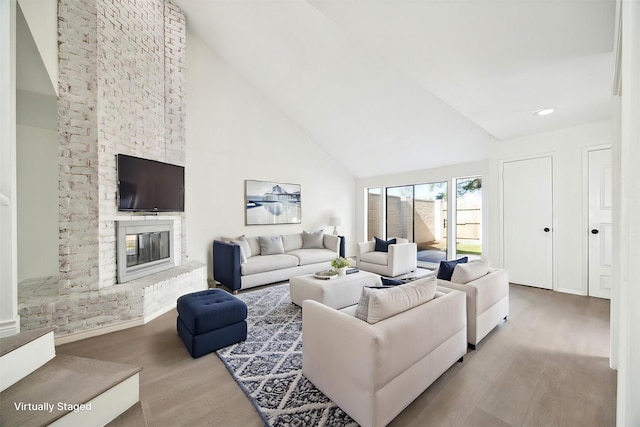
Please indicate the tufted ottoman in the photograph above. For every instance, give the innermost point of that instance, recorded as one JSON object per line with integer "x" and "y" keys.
{"x": 210, "y": 320}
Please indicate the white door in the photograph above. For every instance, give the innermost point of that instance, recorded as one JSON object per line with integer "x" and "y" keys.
{"x": 600, "y": 230}
{"x": 528, "y": 221}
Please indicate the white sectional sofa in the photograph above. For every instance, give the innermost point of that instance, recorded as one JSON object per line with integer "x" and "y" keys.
{"x": 241, "y": 263}
{"x": 374, "y": 371}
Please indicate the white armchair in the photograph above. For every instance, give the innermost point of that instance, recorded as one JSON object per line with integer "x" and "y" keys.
{"x": 487, "y": 302}
{"x": 401, "y": 258}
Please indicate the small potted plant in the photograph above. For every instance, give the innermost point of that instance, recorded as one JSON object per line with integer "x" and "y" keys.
{"x": 340, "y": 264}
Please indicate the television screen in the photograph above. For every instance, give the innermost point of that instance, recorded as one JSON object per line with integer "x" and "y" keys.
{"x": 149, "y": 186}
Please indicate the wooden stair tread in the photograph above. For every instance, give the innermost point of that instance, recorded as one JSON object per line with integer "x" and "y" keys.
{"x": 8, "y": 344}
{"x": 64, "y": 379}
{"x": 133, "y": 417}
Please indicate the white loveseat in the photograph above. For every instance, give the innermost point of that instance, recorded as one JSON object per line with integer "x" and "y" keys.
{"x": 401, "y": 258}
{"x": 237, "y": 268}
{"x": 374, "y": 371}
{"x": 487, "y": 299}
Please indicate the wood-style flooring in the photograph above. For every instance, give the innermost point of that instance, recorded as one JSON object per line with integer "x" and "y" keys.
{"x": 548, "y": 365}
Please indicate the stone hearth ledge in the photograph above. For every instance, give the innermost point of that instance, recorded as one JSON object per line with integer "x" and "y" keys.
{"x": 86, "y": 314}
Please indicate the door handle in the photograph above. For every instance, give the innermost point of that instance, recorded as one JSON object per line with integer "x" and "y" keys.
{"x": 595, "y": 231}
{"x": 547, "y": 229}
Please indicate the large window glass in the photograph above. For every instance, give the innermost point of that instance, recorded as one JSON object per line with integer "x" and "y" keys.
{"x": 430, "y": 222}
{"x": 419, "y": 213}
{"x": 399, "y": 203}
{"x": 469, "y": 216}
{"x": 374, "y": 213}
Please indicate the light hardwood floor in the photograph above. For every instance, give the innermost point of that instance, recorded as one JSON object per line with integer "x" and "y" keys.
{"x": 546, "y": 366}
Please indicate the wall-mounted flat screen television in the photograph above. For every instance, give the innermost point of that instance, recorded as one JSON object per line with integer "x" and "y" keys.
{"x": 149, "y": 186}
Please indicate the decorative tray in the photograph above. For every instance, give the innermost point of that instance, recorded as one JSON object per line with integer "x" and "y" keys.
{"x": 325, "y": 275}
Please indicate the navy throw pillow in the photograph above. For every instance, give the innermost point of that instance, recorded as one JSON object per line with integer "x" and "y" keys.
{"x": 383, "y": 245}
{"x": 391, "y": 282}
{"x": 446, "y": 267}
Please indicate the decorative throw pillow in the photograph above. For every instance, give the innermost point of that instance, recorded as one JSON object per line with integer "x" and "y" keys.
{"x": 243, "y": 255}
{"x": 313, "y": 240}
{"x": 391, "y": 282}
{"x": 465, "y": 273}
{"x": 271, "y": 245}
{"x": 386, "y": 303}
{"x": 362, "y": 310}
{"x": 244, "y": 244}
{"x": 446, "y": 267}
{"x": 383, "y": 245}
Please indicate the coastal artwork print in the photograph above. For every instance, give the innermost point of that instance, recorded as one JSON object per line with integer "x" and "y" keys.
{"x": 272, "y": 203}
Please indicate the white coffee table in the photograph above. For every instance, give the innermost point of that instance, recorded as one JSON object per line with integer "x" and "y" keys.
{"x": 337, "y": 293}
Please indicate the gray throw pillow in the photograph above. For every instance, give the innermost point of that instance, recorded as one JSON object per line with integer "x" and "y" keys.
{"x": 362, "y": 310}
{"x": 243, "y": 255}
{"x": 244, "y": 244}
{"x": 313, "y": 240}
{"x": 271, "y": 245}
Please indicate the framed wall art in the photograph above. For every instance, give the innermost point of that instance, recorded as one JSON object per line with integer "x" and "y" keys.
{"x": 268, "y": 202}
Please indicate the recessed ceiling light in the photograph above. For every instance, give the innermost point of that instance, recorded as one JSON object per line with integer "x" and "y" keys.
{"x": 544, "y": 111}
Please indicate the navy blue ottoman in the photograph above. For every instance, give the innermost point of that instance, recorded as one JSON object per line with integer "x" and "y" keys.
{"x": 210, "y": 320}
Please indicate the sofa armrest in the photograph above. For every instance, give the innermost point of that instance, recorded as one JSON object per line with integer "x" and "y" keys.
{"x": 487, "y": 302}
{"x": 226, "y": 264}
{"x": 330, "y": 339}
{"x": 364, "y": 247}
{"x": 470, "y": 291}
{"x": 483, "y": 292}
{"x": 403, "y": 257}
{"x": 332, "y": 242}
{"x": 491, "y": 288}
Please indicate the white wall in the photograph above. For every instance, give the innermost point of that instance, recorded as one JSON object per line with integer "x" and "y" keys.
{"x": 425, "y": 176}
{"x": 567, "y": 147}
{"x": 233, "y": 134}
{"x": 37, "y": 140}
{"x": 626, "y": 285}
{"x": 42, "y": 19}
{"x": 9, "y": 318}
{"x": 37, "y": 168}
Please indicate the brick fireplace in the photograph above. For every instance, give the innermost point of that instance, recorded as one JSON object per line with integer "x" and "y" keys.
{"x": 121, "y": 90}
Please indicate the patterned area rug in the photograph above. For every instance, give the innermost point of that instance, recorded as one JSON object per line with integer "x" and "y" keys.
{"x": 268, "y": 365}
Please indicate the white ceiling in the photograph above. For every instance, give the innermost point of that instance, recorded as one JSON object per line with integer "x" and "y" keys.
{"x": 395, "y": 85}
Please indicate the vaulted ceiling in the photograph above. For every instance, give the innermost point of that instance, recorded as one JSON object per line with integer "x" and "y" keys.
{"x": 391, "y": 85}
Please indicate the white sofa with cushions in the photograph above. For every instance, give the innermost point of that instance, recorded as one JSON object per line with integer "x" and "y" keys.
{"x": 487, "y": 291}
{"x": 246, "y": 262}
{"x": 399, "y": 258}
{"x": 374, "y": 369}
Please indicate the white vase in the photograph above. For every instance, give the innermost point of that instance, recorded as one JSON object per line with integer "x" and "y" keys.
{"x": 342, "y": 271}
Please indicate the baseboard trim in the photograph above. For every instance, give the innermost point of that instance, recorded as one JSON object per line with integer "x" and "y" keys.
{"x": 571, "y": 291}
{"x": 9, "y": 327}
{"x": 101, "y": 330}
{"x": 113, "y": 327}
{"x": 159, "y": 313}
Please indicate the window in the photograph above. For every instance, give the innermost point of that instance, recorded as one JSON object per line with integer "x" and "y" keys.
{"x": 419, "y": 213}
{"x": 400, "y": 212}
{"x": 469, "y": 216}
{"x": 430, "y": 222}
{"x": 374, "y": 213}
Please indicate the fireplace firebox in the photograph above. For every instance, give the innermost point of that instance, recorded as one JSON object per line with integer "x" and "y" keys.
{"x": 143, "y": 248}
